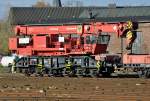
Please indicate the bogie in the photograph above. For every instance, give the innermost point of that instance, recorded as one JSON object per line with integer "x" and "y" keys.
{"x": 61, "y": 66}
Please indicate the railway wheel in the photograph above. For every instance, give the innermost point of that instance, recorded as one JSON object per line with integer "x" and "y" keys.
{"x": 54, "y": 72}
{"x": 79, "y": 72}
{"x": 106, "y": 74}
{"x": 70, "y": 73}
{"x": 27, "y": 72}
{"x": 60, "y": 72}
{"x": 144, "y": 73}
{"x": 93, "y": 73}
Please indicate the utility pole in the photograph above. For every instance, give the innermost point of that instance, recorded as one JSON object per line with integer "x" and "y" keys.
{"x": 57, "y": 3}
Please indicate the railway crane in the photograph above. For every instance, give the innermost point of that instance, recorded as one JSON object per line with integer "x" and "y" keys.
{"x": 72, "y": 49}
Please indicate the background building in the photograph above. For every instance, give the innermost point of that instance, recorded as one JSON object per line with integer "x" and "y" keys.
{"x": 57, "y": 15}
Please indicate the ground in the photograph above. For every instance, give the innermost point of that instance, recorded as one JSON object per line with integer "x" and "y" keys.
{"x": 16, "y": 87}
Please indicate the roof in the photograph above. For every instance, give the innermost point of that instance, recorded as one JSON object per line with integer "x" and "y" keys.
{"x": 50, "y": 15}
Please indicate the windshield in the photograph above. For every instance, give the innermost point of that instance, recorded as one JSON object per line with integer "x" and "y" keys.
{"x": 103, "y": 39}
{"x": 90, "y": 39}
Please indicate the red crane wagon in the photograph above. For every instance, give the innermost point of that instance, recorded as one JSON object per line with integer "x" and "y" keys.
{"x": 69, "y": 49}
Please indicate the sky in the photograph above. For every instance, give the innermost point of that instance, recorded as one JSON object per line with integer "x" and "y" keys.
{"x": 6, "y": 4}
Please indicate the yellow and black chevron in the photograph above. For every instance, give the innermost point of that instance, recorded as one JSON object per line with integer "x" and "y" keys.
{"x": 129, "y": 25}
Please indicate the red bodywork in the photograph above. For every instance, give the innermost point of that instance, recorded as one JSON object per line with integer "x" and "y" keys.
{"x": 48, "y": 40}
{"x": 136, "y": 59}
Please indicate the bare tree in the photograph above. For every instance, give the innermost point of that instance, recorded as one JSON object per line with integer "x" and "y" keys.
{"x": 41, "y": 3}
{"x": 5, "y": 30}
{"x": 57, "y": 3}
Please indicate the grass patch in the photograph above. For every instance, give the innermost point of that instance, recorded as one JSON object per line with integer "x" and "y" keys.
{"x": 1, "y": 69}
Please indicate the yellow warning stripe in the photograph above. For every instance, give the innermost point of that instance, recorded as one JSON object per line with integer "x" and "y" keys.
{"x": 129, "y": 25}
{"x": 129, "y": 35}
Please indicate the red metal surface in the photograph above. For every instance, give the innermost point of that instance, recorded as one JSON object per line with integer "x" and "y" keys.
{"x": 69, "y": 29}
{"x": 50, "y": 29}
{"x": 136, "y": 59}
{"x": 39, "y": 42}
{"x": 12, "y": 43}
{"x": 44, "y": 39}
{"x": 25, "y": 51}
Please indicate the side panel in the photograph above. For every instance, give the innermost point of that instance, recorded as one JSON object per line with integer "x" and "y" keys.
{"x": 25, "y": 51}
{"x": 39, "y": 42}
{"x": 12, "y": 43}
{"x": 136, "y": 59}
